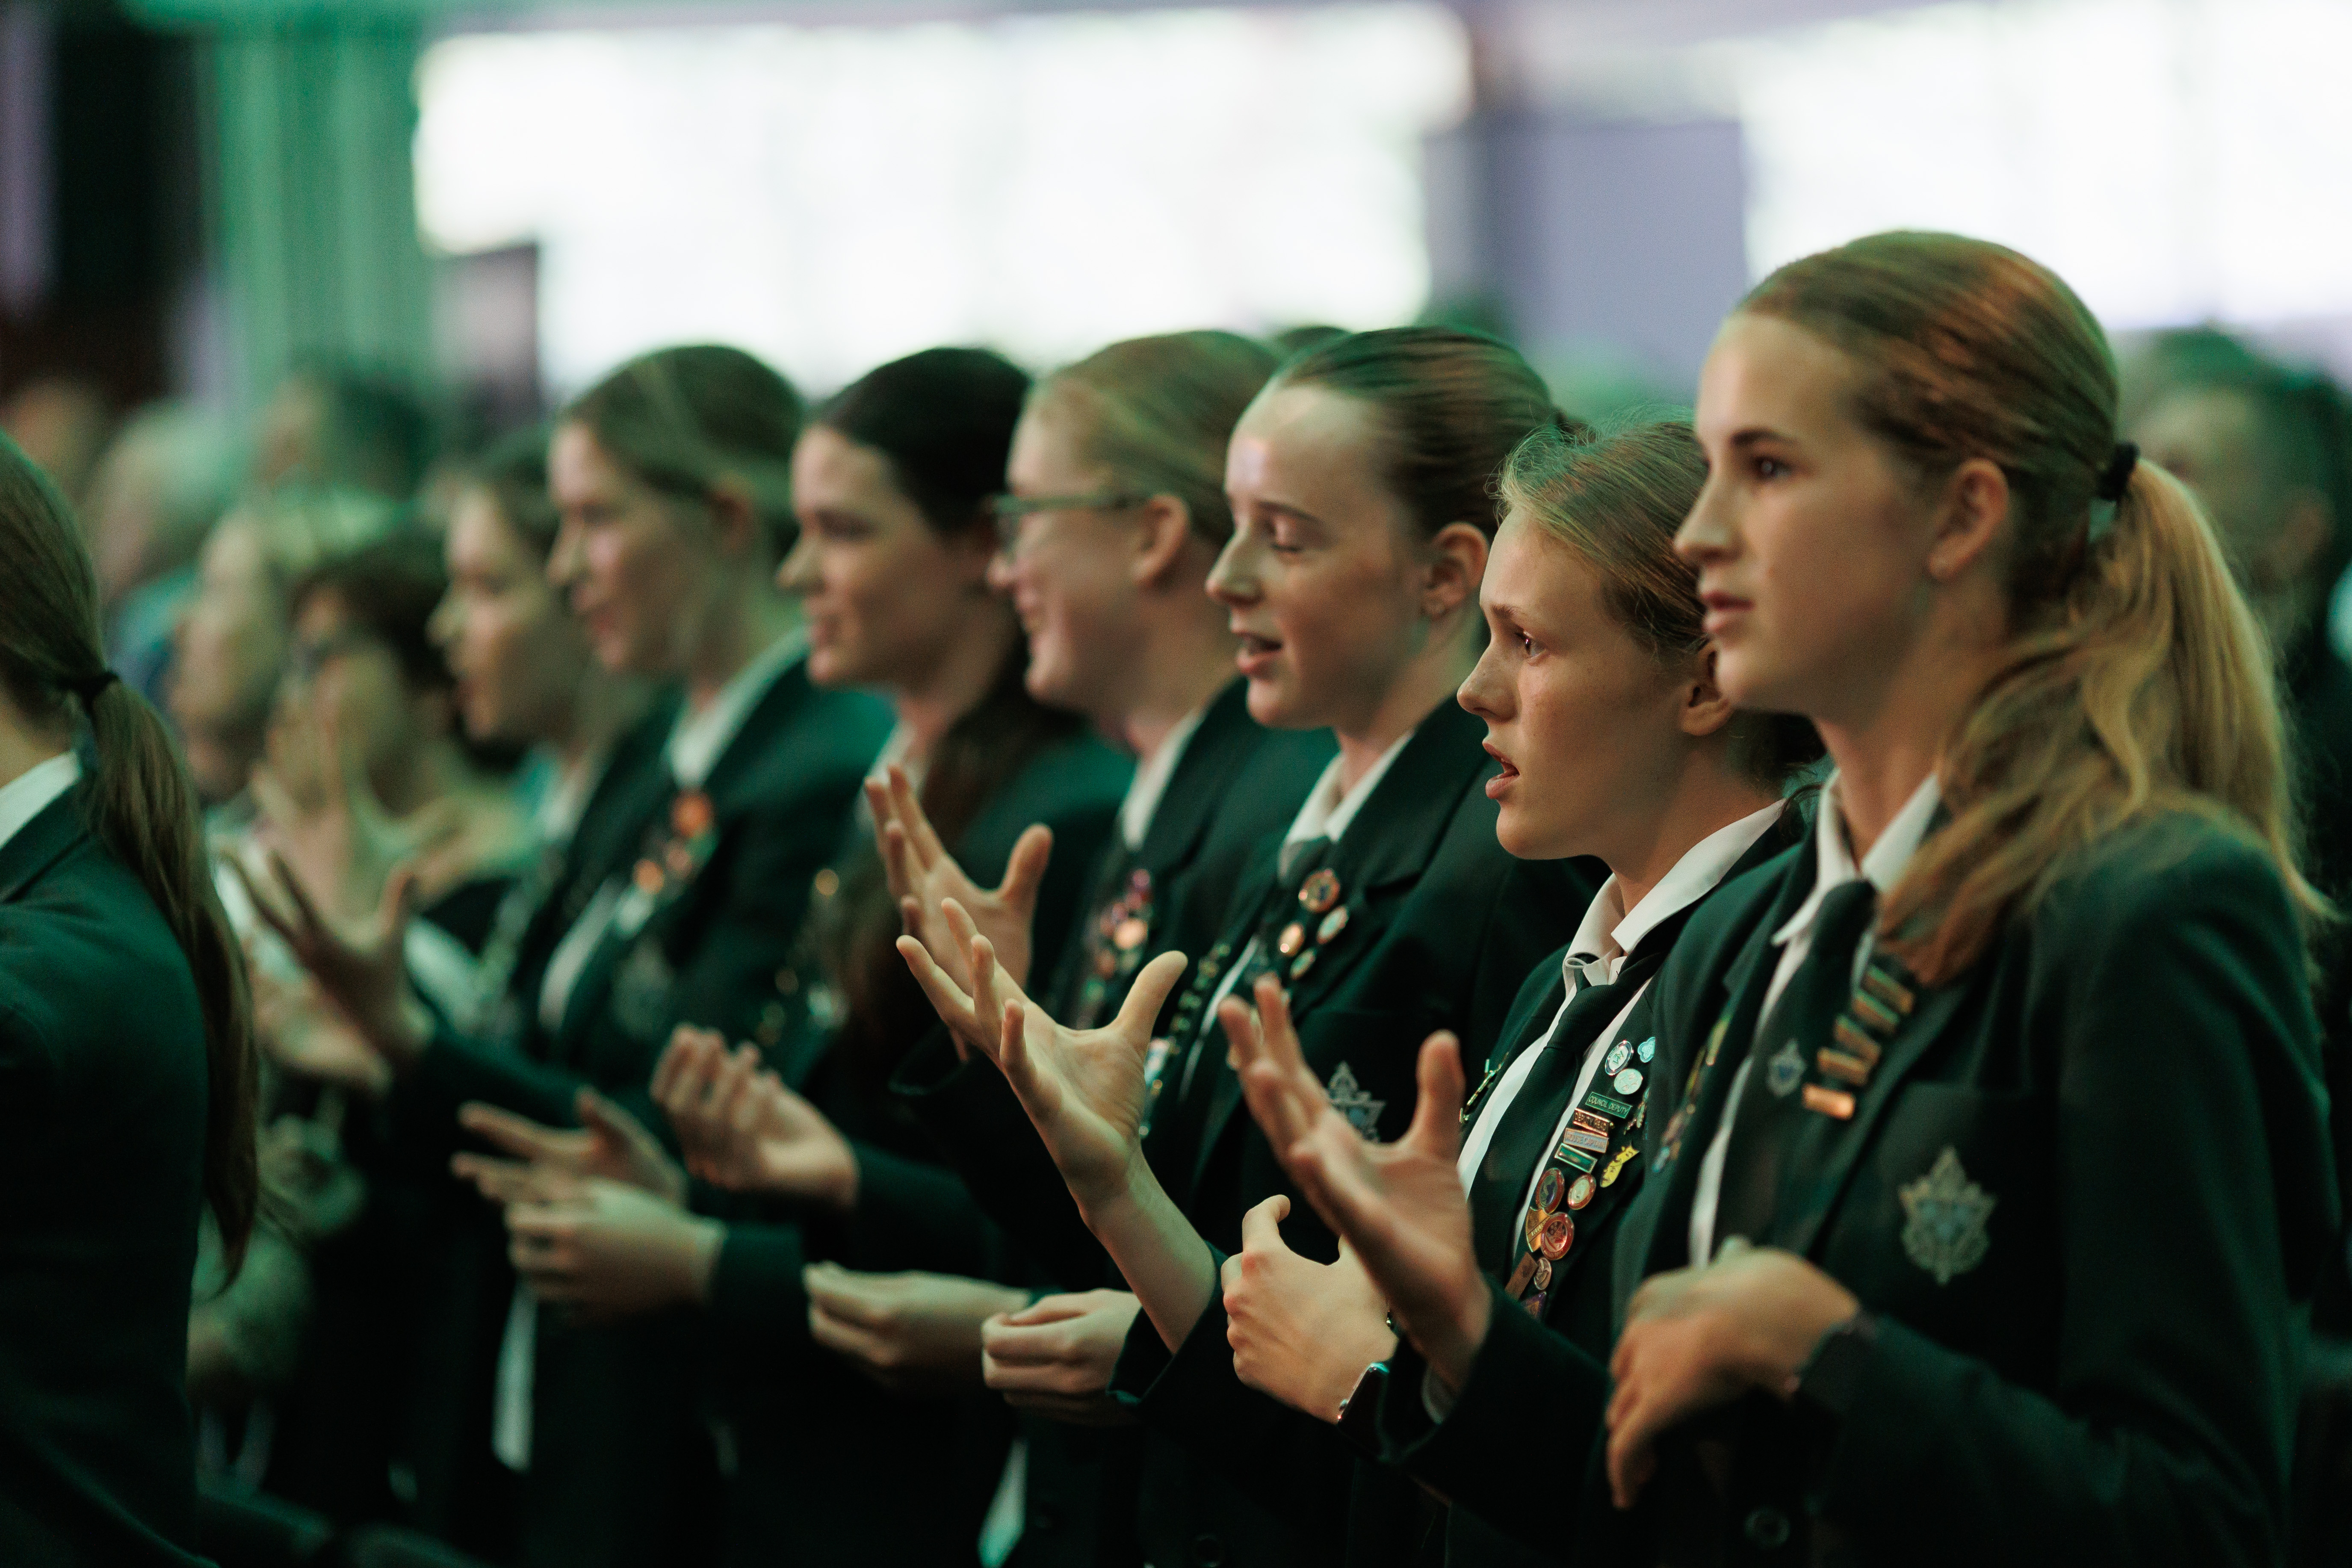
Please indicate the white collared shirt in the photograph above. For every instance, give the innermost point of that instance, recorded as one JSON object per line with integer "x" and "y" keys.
{"x": 1152, "y": 773}
{"x": 30, "y": 793}
{"x": 1607, "y": 936}
{"x": 1834, "y": 866}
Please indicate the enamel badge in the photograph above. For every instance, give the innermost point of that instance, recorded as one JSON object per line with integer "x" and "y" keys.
{"x": 1946, "y": 1214}
{"x": 1785, "y": 1071}
{"x": 1349, "y": 1099}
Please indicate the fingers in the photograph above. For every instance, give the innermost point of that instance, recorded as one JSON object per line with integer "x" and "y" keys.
{"x": 602, "y": 1115}
{"x": 1261, "y": 1225}
{"x": 511, "y": 1182}
{"x": 517, "y": 1135}
{"x": 1149, "y": 996}
{"x": 898, "y": 865}
{"x": 398, "y": 905}
{"x": 844, "y": 1295}
{"x": 1436, "y": 1127}
{"x": 920, "y": 838}
{"x": 1632, "y": 1453}
{"x": 687, "y": 1047}
{"x": 283, "y": 925}
{"x": 954, "y": 1008}
{"x": 1025, "y": 869}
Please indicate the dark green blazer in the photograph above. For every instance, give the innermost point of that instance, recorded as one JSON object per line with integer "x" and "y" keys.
{"x": 1235, "y": 782}
{"x": 1581, "y": 1306}
{"x": 2116, "y": 1110}
{"x": 1442, "y": 928}
{"x": 102, "y": 1093}
{"x": 819, "y": 1460}
{"x": 621, "y": 1469}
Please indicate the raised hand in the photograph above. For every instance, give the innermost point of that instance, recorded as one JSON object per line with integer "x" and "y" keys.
{"x": 741, "y": 1129}
{"x": 924, "y": 877}
{"x": 1301, "y": 1330}
{"x": 361, "y": 967}
{"x": 319, "y": 810}
{"x": 299, "y": 1030}
{"x": 1055, "y": 1357}
{"x": 1083, "y": 1089}
{"x": 1698, "y": 1338}
{"x": 1400, "y": 1205}
{"x": 912, "y": 1333}
{"x": 608, "y": 1145}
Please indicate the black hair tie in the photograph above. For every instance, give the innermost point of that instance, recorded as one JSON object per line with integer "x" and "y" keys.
{"x": 2115, "y": 478}
{"x": 88, "y": 686}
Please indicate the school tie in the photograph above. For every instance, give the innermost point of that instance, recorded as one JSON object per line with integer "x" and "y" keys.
{"x": 1772, "y": 1104}
{"x": 1525, "y": 1138}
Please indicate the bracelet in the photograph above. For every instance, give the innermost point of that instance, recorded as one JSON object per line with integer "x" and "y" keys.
{"x": 1833, "y": 1373}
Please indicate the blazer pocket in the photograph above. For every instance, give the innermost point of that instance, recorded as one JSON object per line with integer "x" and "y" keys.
{"x": 1945, "y": 1225}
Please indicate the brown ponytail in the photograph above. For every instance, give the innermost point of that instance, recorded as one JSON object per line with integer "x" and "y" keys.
{"x": 140, "y": 803}
{"x": 2136, "y": 680}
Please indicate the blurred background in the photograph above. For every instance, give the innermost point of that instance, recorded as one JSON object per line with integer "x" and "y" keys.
{"x": 488, "y": 203}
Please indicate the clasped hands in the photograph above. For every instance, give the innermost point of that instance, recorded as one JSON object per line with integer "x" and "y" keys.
{"x": 1693, "y": 1338}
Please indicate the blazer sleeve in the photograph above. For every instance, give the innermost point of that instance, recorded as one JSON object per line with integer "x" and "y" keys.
{"x": 1514, "y": 1445}
{"x": 1286, "y": 1461}
{"x": 2190, "y": 1165}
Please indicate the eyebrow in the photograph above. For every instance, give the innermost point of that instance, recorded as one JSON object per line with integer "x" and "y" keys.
{"x": 1299, "y": 513}
{"x": 1754, "y": 434}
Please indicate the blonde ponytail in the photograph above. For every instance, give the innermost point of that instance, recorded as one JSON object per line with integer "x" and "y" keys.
{"x": 2137, "y": 681}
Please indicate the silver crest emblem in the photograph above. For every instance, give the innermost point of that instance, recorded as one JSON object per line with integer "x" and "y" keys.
{"x": 1349, "y": 1099}
{"x": 1944, "y": 1230}
{"x": 1785, "y": 1071}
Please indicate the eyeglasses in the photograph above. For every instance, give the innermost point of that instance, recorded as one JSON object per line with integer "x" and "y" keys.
{"x": 1011, "y": 512}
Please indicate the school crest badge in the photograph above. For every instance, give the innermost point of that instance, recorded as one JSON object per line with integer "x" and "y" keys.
{"x": 1785, "y": 1071}
{"x": 1349, "y": 1099}
{"x": 1946, "y": 1215}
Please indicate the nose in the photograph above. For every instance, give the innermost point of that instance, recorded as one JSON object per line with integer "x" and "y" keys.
{"x": 1485, "y": 690}
{"x": 564, "y": 557}
{"x": 1002, "y": 570}
{"x": 1232, "y": 580}
{"x": 1708, "y": 534}
{"x": 441, "y": 629}
{"x": 796, "y": 573}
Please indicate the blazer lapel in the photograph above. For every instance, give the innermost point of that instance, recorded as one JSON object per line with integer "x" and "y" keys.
{"x": 1395, "y": 833}
{"x": 1223, "y": 740}
{"x": 1825, "y": 1157}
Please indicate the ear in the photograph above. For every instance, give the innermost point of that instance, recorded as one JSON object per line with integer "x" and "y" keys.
{"x": 1160, "y": 546}
{"x": 735, "y": 520}
{"x": 1974, "y": 506}
{"x": 1704, "y": 708}
{"x": 1456, "y": 564}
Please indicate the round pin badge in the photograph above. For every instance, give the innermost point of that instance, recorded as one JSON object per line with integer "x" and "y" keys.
{"x": 1333, "y": 924}
{"x": 1548, "y": 1189}
{"x": 1543, "y": 1273}
{"x": 1129, "y": 934}
{"x": 1580, "y": 1191}
{"x": 1558, "y": 1236}
{"x": 1302, "y": 963}
{"x": 1629, "y": 1081}
{"x": 1319, "y": 892}
{"x": 1618, "y": 1055}
{"x": 1292, "y": 938}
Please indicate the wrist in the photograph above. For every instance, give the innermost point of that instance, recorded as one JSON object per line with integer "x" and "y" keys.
{"x": 401, "y": 1035}
{"x": 1454, "y": 1350}
{"x": 1101, "y": 1198}
{"x": 842, "y": 1188}
{"x": 702, "y": 1242}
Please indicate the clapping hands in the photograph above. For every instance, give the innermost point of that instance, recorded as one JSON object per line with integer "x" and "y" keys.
{"x": 741, "y": 1129}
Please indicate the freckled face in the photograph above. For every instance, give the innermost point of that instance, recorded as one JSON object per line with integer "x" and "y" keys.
{"x": 1811, "y": 544}
{"x": 1322, "y": 577}
{"x": 1583, "y": 717}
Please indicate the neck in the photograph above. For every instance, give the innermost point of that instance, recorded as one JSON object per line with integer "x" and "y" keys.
{"x": 966, "y": 669}
{"x": 24, "y": 748}
{"x": 1887, "y": 743}
{"x": 602, "y": 710}
{"x": 1180, "y": 668}
{"x": 1706, "y": 799}
{"x": 739, "y": 631}
{"x": 1434, "y": 675}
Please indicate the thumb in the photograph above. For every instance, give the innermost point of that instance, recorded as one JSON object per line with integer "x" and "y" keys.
{"x": 399, "y": 904}
{"x": 601, "y": 1115}
{"x": 1261, "y": 1225}
{"x": 1149, "y": 993}
{"x": 1437, "y": 1110}
{"x": 1025, "y": 868}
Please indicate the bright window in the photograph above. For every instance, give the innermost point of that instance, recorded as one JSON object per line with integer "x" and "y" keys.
{"x": 833, "y": 196}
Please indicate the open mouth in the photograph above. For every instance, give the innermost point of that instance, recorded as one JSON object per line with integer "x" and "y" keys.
{"x": 1503, "y": 779}
{"x": 1256, "y": 655}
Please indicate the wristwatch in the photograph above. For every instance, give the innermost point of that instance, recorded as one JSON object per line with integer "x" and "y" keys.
{"x": 1360, "y": 1412}
{"x": 1834, "y": 1372}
